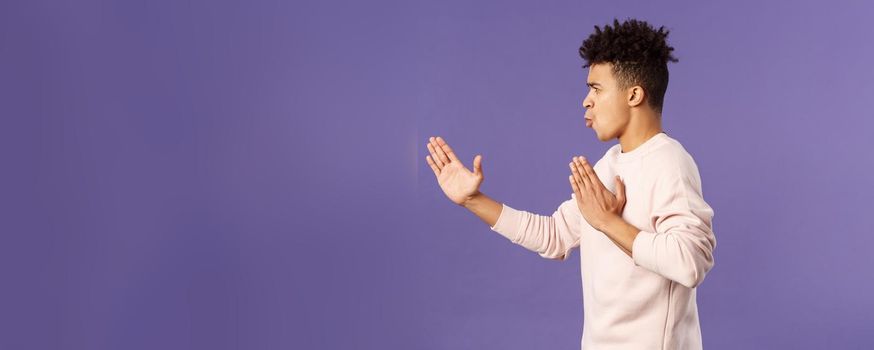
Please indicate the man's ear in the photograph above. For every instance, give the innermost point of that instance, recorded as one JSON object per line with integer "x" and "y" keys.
{"x": 636, "y": 96}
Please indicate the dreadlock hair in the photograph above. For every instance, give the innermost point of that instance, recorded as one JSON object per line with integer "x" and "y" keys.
{"x": 639, "y": 55}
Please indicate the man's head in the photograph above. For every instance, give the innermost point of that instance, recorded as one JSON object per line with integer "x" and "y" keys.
{"x": 628, "y": 75}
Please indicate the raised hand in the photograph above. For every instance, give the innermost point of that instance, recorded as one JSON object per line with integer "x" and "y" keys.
{"x": 456, "y": 181}
{"x": 597, "y": 204}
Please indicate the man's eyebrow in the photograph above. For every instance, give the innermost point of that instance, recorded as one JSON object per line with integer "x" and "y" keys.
{"x": 592, "y": 84}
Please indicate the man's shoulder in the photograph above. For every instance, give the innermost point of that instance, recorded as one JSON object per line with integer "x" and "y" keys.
{"x": 670, "y": 157}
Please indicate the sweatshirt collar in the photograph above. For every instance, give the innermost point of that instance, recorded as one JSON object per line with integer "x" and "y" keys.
{"x": 644, "y": 148}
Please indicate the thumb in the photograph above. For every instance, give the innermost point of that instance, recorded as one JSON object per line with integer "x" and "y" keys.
{"x": 478, "y": 165}
{"x": 620, "y": 189}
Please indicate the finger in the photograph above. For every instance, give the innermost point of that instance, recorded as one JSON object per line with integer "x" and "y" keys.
{"x": 433, "y": 166}
{"x": 574, "y": 186}
{"x": 587, "y": 183}
{"x": 620, "y": 189}
{"x": 590, "y": 173}
{"x": 448, "y": 150}
{"x": 478, "y": 165}
{"x": 434, "y": 156}
{"x": 440, "y": 155}
{"x": 575, "y": 173}
{"x": 598, "y": 188}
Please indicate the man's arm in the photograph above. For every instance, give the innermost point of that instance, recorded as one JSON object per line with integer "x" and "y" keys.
{"x": 551, "y": 237}
{"x": 621, "y": 233}
{"x": 484, "y": 207}
{"x": 681, "y": 246}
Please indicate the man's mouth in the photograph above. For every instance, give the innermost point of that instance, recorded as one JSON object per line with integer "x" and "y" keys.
{"x": 589, "y": 123}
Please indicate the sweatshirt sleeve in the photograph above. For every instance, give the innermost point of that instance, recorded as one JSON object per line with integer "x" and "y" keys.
{"x": 552, "y": 237}
{"x": 681, "y": 249}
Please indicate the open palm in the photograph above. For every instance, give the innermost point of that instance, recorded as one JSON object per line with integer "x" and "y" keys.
{"x": 456, "y": 181}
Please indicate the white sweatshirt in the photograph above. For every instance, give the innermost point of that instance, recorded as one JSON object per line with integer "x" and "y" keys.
{"x": 648, "y": 301}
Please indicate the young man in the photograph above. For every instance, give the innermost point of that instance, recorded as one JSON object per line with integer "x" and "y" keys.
{"x": 638, "y": 216}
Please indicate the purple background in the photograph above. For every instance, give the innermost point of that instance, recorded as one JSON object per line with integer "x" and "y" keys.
{"x": 250, "y": 174}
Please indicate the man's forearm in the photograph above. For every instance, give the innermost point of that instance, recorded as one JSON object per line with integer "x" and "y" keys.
{"x": 487, "y": 209}
{"x": 621, "y": 233}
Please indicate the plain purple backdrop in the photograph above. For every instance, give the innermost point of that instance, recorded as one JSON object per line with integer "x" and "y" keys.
{"x": 251, "y": 175}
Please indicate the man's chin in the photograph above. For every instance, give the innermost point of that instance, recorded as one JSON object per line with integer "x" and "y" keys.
{"x": 600, "y": 137}
{"x": 604, "y": 137}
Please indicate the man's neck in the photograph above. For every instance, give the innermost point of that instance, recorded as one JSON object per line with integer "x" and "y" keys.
{"x": 638, "y": 133}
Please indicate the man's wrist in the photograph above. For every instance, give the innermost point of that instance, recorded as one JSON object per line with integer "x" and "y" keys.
{"x": 613, "y": 221}
{"x": 471, "y": 200}
{"x": 622, "y": 232}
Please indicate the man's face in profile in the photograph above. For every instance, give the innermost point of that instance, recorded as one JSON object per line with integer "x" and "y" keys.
{"x": 607, "y": 111}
